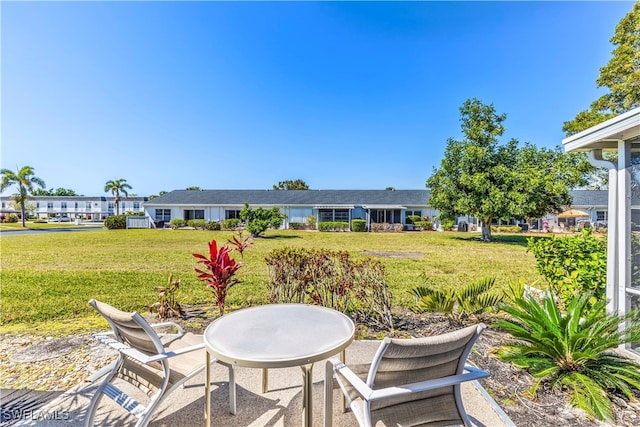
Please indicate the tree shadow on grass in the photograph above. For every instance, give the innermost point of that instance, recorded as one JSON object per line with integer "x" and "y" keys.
{"x": 507, "y": 239}
{"x": 278, "y": 237}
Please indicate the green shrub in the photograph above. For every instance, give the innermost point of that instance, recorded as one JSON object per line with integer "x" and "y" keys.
{"x": 333, "y": 226}
{"x": 423, "y": 225}
{"x": 311, "y": 222}
{"x": 176, "y": 223}
{"x": 475, "y": 299}
{"x": 212, "y": 225}
{"x": 358, "y": 225}
{"x": 116, "y": 222}
{"x": 230, "y": 224}
{"x": 297, "y": 226}
{"x": 506, "y": 229}
{"x": 412, "y": 219}
{"x": 198, "y": 224}
{"x": 572, "y": 265}
{"x": 331, "y": 279}
{"x": 447, "y": 224}
{"x": 575, "y": 351}
{"x": 11, "y": 218}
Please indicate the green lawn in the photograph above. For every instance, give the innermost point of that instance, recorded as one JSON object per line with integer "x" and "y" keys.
{"x": 47, "y": 278}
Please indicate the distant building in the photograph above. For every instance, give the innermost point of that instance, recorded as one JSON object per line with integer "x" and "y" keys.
{"x": 389, "y": 206}
{"x": 85, "y": 207}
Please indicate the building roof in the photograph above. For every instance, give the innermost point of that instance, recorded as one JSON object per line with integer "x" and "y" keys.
{"x": 317, "y": 198}
{"x": 606, "y": 134}
{"x": 590, "y": 198}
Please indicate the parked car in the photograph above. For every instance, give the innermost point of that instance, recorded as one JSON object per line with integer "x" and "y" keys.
{"x": 54, "y": 219}
{"x": 65, "y": 219}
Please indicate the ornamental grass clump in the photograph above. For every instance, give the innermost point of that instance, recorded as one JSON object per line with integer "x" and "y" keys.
{"x": 219, "y": 271}
{"x": 574, "y": 351}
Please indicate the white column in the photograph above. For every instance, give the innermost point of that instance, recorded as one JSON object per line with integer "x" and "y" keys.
{"x": 624, "y": 223}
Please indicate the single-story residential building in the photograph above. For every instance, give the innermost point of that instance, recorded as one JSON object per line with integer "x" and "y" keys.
{"x": 374, "y": 206}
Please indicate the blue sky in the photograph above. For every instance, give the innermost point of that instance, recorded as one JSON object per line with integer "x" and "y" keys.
{"x": 242, "y": 95}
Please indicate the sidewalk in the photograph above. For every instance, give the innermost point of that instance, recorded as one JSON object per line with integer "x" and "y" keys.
{"x": 280, "y": 406}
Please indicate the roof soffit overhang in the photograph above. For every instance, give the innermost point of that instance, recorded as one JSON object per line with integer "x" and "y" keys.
{"x": 605, "y": 136}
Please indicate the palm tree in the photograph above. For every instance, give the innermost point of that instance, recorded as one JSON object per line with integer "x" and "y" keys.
{"x": 25, "y": 181}
{"x": 116, "y": 187}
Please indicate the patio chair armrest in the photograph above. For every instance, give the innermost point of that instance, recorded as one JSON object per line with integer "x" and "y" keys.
{"x": 146, "y": 358}
{"x": 347, "y": 374}
{"x": 470, "y": 373}
{"x": 140, "y": 356}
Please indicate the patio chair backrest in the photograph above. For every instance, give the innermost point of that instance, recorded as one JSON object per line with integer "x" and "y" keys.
{"x": 405, "y": 361}
{"x": 130, "y": 328}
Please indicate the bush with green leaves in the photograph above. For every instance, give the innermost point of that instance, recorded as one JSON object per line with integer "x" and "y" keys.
{"x": 572, "y": 265}
{"x": 176, "y": 223}
{"x": 423, "y": 225}
{"x": 212, "y": 226}
{"x": 447, "y": 224}
{"x": 573, "y": 351}
{"x": 11, "y": 218}
{"x": 331, "y": 279}
{"x": 412, "y": 219}
{"x": 506, "y": 229}
{"x": 230, "y": 224}
{"x": 333, "y": 226}
{"x": 198, "y": 224}
{"x": 358, "y": 225}
{"x": 311, "y": 221}
{"x": 260, "y": 220}
{"x": 475, "y": 299}
{"x": 116, "y": 222}
{"x": 297, "y": 226}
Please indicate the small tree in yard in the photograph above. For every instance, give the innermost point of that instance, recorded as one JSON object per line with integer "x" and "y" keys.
{"x": 219, "y": 270}
{"x": 259, "y": 220}
{"x": 482, "y": 178}
{"x": 25, "y": 180}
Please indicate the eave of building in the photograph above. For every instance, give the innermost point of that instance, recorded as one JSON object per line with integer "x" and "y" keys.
{"x": 605, "y": 136}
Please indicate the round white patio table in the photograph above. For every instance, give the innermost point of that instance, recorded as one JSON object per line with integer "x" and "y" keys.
{"x": 277, "y": 336}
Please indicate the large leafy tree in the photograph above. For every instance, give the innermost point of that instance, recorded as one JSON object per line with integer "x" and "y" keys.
{"x": 480, "y": 177}
{"x": 621, "y": 76}
{"x": 57, "y": 192}
{"x": 25, "y": 180}
{"x": 116, "y": 187}
{"x": 298, "y": 184}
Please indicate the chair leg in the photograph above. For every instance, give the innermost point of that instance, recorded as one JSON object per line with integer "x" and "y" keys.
{"x": 232, "y": 389}
{"x": 463, "y": 414}
{"x": 95, "y": 400}
{"x": 328, "y": 394}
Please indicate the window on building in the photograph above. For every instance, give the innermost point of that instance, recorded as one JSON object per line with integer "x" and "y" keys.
{"x": 194, "y": 214}
{"x": 163, "y": 215}
{"x": 232, "y": 213}
{"x": 136, "y": 205}
{"x": 76, "y": 205}
{"x": 300, "y": 214}
{"x": 602, "y": 216}
{"x": 49, "y": 205}
{"x": 63, "y": 205}
{"x": 389, "y": 216}
{"x": 325, "y": 215}
{"x": 87, "y": 205}
{"x": 110, "y": 205}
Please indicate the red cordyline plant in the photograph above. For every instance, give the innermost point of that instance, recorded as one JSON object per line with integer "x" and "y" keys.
{"x": 218, "y": 271}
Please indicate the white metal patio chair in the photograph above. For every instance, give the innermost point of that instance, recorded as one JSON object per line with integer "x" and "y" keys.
{"x": 155, "y": 363}
{"x": 410, "y": 382}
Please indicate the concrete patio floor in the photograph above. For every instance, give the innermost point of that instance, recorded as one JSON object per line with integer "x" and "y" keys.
{"x": 280, "y": 406}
